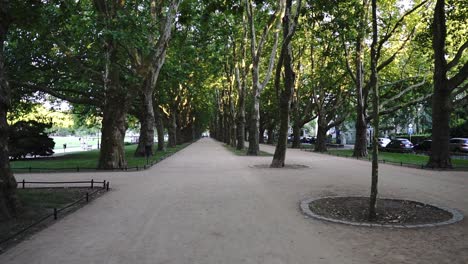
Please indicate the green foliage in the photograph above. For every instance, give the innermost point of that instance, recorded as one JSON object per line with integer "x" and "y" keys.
{"x": 30, "y": 138}
{"x": 460, "y": 130}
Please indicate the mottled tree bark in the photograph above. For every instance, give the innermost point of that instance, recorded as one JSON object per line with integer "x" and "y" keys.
{"x": 296, "y": 135}
{"x": 256, "y": 54}
{"x": 322, "y": 128}
{"x": 159, "y": 129}
{"x": 261, "y": 139}
{"x": 375, "y": 107}
{"x": 271, "y": 139}
{"x": 8, "y": 200}
{"x": 147, "y": 123}
{"x": 112, "y": 154}
{"x": 115, "y": 106}
{"x": 254, "y": 125}
{"x": 286, "y": 59}
{"x": 172, "y": 130}
{"x": 241, "y": 126}
{"x": 360, "y": 145}
{"x": 443, "y": 88}
{"x": 157, "y": 59}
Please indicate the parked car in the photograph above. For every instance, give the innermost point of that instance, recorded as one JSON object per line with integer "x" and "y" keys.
{"x": 459, "y": 144}
{"x": 383, "y": 142}
{"x": 307, "y": 140}
{"x": 399, "y": 145}
{"x": 424, "y": 146}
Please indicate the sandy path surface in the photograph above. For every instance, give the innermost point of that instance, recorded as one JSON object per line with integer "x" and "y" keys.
{"x": 205, "y": 205}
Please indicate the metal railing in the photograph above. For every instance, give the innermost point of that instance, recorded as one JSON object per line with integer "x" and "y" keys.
{"x": 96, "y": 186}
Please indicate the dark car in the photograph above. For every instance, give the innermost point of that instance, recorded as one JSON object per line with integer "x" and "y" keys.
{"x": 424, "y": 146}
{"x": 308, "y": 140}
{"x": 399, "y": 145}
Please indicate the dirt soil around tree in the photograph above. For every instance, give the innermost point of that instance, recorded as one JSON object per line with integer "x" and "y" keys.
{"x": 389, "y": 211}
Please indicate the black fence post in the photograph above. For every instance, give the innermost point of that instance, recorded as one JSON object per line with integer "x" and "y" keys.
{"x": 55, "y": 213}
{"x": 77, "y": 168}
{"x": 137, "y": 167}
{"x": 92, "y": 183}
{"x": 87, "y": 197}
{"x": 401, "y": 163}
{"x": 24, "y": 182}
{"x": 104, "y": 184}
{"x": 107, "y": 186}
{"x": 30, "y": 168}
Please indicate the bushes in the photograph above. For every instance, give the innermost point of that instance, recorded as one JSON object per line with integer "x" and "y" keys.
{"x": 30, "y": 138}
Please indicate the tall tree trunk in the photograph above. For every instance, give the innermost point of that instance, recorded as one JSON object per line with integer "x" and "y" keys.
{"x": 172, "y": 130}
{"x": 157, "y": 61}
{"x": 296, "y": 135}
{"x": 441, "y": 109}
{"x": 227, "y": 128}
{"x": 8, "y": 200}
{"x": 258, "y": 86}
{"x": 321, "y": 140}
{"x": 233, "y": 134}
{"x": 159, "y": 129}
{"x": 281, "y": 146}
{"x": 147, "y": 122}
{"x": 441, "y": 100}
{"x": 241, "y": 127}
{"x": 360, "y": 144}
{"x": 112, "y": 154}
{"x": 179, "y": 137}
{"x": 271, "y": 136}
{"x": 261, "y": 138}
{"x": 286, "y": 58}
{"x": 375, "y": 105}
{"x": 254, "y": 125}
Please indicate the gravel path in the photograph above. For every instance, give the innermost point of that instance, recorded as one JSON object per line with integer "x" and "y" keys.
{"x": 205, "y": 205}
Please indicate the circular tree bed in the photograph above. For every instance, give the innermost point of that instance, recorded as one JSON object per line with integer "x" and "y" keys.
{"x": 390, "y": 212}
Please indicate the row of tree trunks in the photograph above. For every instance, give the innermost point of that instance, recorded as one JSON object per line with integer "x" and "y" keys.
{"x": 157, "y": 59}
{"x": 8, "y": 200}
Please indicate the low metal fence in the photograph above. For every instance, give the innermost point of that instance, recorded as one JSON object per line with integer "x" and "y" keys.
{"x": 95, "y": 186}
{"x": 400, "y": 163}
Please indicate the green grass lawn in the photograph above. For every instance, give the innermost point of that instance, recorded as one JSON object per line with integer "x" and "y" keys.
{"x": 244, "y": 152}
{"x": 89, "y": 159}
{"x": 398, "y": 157}
{"x": 73, "y": 142}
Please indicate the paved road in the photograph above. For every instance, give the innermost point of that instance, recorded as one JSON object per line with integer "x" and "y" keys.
{"x": 205, "y": 205}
